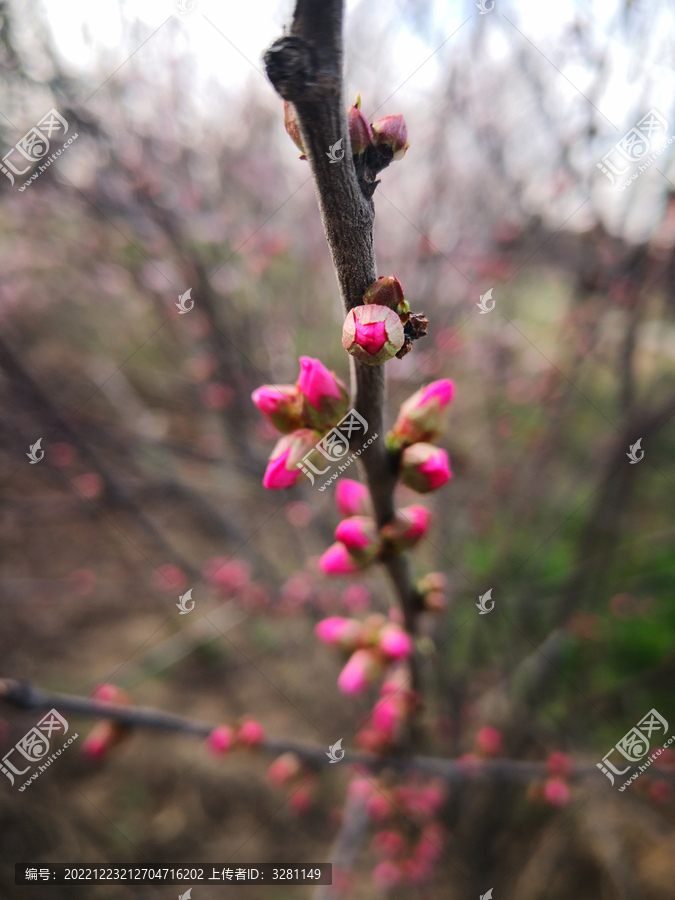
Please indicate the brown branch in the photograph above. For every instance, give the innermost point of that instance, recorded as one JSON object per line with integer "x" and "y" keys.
{"x": 305, "y": 67}
{"x": 22, "y": 695}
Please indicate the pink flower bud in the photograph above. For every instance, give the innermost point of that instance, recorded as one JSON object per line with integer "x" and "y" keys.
{"x": 338, "y": 632}
{"x": 251, "y": 733}
{"x": 281, "y": 405}
{"x": 301, "y": 799}
{"x": 559, "y": 764}
{"x": 337, "y": 561}
{"x": 351, "y": 498}
{"x": 227, "y": 575}
{"x": 362, "y": 667}
{"x": 285, "y": 767}
{"x": 387, "y": 291}
{"x": 424, "y": 467}
{"x": 110, "y": 693}
{"x": 432, "y": 589}
{"x": 386, "y": 875}
{"x": 372, "y": 334}
{"x": 395, "y": 643}
{"x": 359, "y": 790}
{"x": 388, "y": 844}
{"x": 360, "y": 132}
{"x": 407, "y": 528}
{"x": 430, "y": 846}
{"x": 489, "y": 741}
{"x": 101, "y": 739}
{"x": 360, "y": 537}
{"x": 356, "y": 598}
{"x": 291, "y": 126}
{"x": 556, "y": 792}
{"x": 282, "y": 469}
{"x": 387, "y": 716}
{"x": 379, "y": 808}
{"x": 220, "y": 740}
{"x": 391, "y": 132}
{"x": 325, "y": 398}
{"x": 422, "y": 418}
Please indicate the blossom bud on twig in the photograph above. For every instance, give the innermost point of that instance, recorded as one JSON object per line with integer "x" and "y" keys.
{"x": 281, "y": 405}
{"x": 351, "y": 498}
{"x": 388, "y": 291}
{"x": 395, "y": 642}
{"x": 324, "y": 397}
{"x": 291, "y": 126}
{"x": 282, "y": 470}
{"x": 432, "y": 589}
{"x": 373, "y": 334}
{"x": 250, "y": 733}
{"x": 407, "y": 528}
{"x": 424, "y": 467}
{"x": 360, "y": 537}
{"x": 337, "y": 561}
{"x": 391, "y": 132}
{"x": 339, "y": 632}
{"x": 422, "y": 418}
{"x": 361, "y": 668}
{"x": 360, "y": 132}
{"x": 220, "y": 740}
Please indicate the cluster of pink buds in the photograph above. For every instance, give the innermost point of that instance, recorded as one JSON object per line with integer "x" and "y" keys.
{"x": 358, "y": 541}
{"x": 421, "y": 419}
{"x": 245, "y": 733}
{"x": 372, "y": 645}
{"x": 288, "y": 771}
{"x": 395, "y": 703}
{"x": 303, "y": 412}
{"x": 108, "y": 733}
{"x": 384, "y": 326}
{"x": 403, "y": 861}
{"x": 555, "y": 790}
{"x": 388, "y": 135}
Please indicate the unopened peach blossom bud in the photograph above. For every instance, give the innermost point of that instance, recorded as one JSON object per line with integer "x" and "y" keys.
{"x": 423, "y": 417}
{"x": 360, "y": 132}
{"x": 283, "y": 769}
{"x": 556, "y": 792}
{"x": 102, "y": 738}
{"x": 360, "y": 537}
{"x": 325, "y": 398}
{"x": 351, "y": 498}
{"x": 281, "y": 405}
{"x": 559, "y": 764}
{"x": 378, "y": 807}
{"x": 395, "y": 643}
{"x": 282, "y": 469}
{"x": 361, "y": 669}
{"x": 220, "y": 740}
{"x": 424, "y": 467}
{"x": 291, "y": 126}
{"x": 386, "y": 876}
{"x": 433, "y": 591}
{"x": 250, "y": 733}
{"x": 391, "y": 132}
{"x": 489, "y": 741}
{"x": 387, "y": 291}
{"x": 388, "y": 844}
{"x": 337, "y": 631}
{"x": 337, "y": 561}
{"x": 407, "y": 528}
{"x": 372, "y": 334}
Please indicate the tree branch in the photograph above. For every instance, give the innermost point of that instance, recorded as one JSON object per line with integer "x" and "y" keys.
{"x": 305, "y": 67}
{"x": 23, "y": 695}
